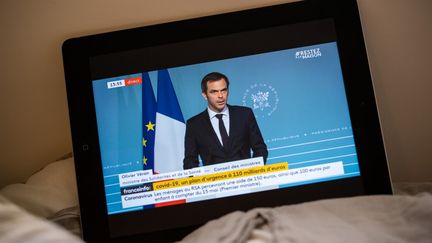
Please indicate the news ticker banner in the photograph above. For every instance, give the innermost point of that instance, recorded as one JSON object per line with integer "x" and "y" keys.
{"x": 227, "y": 182}
{"x": 146, "y": 176}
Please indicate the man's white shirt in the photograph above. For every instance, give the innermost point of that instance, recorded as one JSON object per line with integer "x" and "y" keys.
{"x": 215, "y": 122}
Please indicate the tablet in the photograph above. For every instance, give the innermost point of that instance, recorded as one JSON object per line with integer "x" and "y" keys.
{"x": 302, "y": 119}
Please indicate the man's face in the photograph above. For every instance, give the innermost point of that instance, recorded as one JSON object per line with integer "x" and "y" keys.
{"x": 216, "y": 95}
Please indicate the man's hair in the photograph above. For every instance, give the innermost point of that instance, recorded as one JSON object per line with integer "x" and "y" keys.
{"x": 214, "y": 76}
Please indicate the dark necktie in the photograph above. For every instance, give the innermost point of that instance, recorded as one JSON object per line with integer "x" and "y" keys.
{"x": 222, "y": 130}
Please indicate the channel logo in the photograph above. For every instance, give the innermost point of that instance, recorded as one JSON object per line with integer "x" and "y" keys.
{"x": 309, "y": 53}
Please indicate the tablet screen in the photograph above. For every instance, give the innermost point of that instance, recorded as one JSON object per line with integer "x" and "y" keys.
{"x": 297, "y": 96}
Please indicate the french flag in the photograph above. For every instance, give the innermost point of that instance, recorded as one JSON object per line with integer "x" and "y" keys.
{"x": 171, "y": 127}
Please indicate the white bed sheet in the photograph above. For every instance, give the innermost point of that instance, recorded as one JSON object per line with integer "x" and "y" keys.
{"x": 47, "y": 191}
{"x": 17, "y": 225}
{"x": 356, "y": 219}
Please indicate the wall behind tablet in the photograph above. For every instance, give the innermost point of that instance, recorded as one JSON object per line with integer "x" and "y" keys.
{"x": 34, "y": 124}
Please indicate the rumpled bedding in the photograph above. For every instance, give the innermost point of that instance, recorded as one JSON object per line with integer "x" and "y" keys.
{"x": 47, "y": 191}
{"x": 399, "y": 218}
{"x": 17, "y": 225}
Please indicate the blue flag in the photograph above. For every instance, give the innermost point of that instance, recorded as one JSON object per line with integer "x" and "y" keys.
{"x": 169, "y": 141}
{"x": 149, "y": 122}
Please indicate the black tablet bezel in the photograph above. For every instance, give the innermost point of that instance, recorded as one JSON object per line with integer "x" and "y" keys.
{"x": 77, "y": 53}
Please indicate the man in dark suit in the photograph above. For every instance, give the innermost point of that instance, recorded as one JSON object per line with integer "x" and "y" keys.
{"x": 222, "y": 132}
